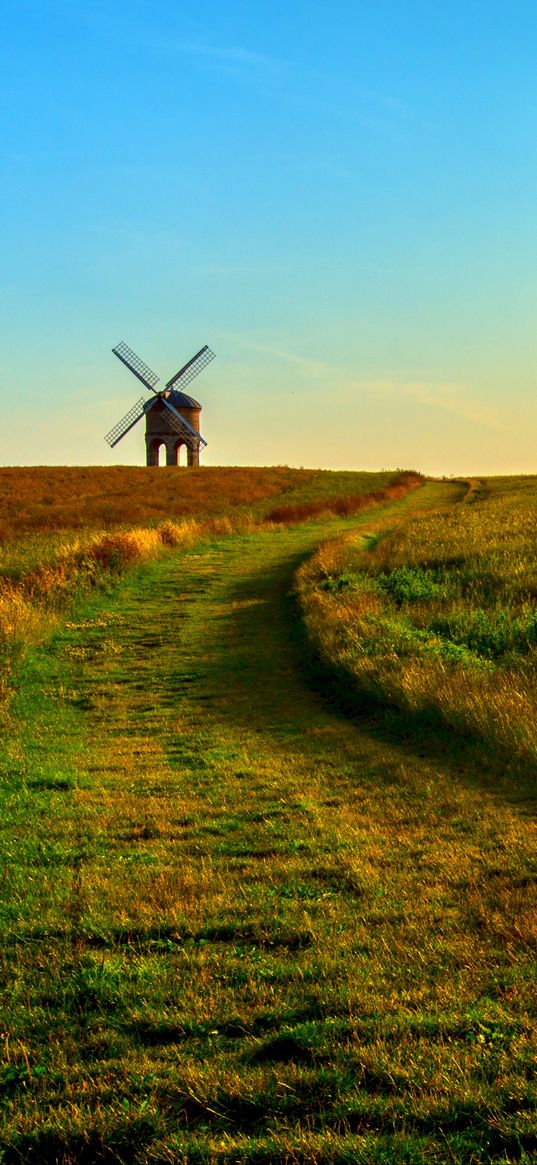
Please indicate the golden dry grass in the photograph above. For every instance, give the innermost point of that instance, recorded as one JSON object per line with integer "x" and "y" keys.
{"x": 439, "y": 615}
{"x": 46, "y": 499}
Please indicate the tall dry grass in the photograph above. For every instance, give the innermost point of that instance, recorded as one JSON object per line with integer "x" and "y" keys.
{"x": 347, "y": 504}
{"x": 439, "y": 616}
{"x": 48, "y": 499}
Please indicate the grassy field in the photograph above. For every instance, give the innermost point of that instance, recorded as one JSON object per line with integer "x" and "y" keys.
{"x": 439, "y": 617}
{"x": 52, "y": 499}
{"x": 65, "y": 532}
{"x": 239, "y": 924}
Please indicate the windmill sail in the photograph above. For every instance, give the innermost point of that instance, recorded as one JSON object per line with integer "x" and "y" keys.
{"x": 127, "y": 422}
{"x": 137, "y": 366}
{"x": 178, "y": 423}
{"x": 191, "y": 369}
{"x": 181, "y": 425}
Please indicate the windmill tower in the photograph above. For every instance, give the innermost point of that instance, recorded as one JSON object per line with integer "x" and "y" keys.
{"x": 171, "y": 416}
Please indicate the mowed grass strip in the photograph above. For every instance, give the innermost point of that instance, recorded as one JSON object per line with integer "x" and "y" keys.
{"x": 237, "y": 926}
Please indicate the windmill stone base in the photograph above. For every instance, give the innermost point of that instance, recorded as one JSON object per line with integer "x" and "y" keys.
{"x": 172, "y": 446}
{"x": 159, "y": 431}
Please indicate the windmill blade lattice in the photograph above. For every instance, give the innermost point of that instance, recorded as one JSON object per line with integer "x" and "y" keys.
{"x": 180, "y": 424}
{"x": 192, "y": 369}
{"x": 137, "y": 366}
{"x": 127, "y": 422}
{"x": 162, "y": 424}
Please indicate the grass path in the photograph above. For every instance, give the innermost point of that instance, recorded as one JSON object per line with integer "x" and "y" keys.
{"x": 241, "y": 927}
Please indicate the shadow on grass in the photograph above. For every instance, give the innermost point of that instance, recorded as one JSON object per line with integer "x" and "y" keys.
{"x": 269, "y": 667}
{"x": 467, "y": 1129}
{"x": 51, "y": 1147}
{"x": 425, "y": 734}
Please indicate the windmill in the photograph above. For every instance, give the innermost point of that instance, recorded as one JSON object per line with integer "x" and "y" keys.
{"x": 172, "y": 417}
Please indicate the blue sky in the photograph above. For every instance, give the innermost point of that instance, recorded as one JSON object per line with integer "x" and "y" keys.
{"x": 340, "y": 198}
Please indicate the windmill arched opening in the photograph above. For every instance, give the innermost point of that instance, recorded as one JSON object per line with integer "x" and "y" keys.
{"x": 170, "y": 450}
{"x": 180, "y": 453}
{"x": 156, "y": 452}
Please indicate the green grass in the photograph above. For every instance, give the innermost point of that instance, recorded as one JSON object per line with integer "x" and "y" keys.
{"x": 439, "y": 617}
{"x": 238, "y": 926}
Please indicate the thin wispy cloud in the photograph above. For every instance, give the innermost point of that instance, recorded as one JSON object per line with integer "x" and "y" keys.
{"x": 335, "y": 95}
{"x": 235, "y": 57}
{"x": 233, "y": 270}
{"x": 295, "y": 359}
{"x": 446, "y": 397}
{"x": 457, "y": 400}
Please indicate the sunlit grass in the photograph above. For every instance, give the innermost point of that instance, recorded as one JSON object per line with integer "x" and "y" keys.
{"x": 440, "y": 615}
{"x": 48, "y": 499}
{"x": 237, "y": 926}
{"x": 44, "y": 576}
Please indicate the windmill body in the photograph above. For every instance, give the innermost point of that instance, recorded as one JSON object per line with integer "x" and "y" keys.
{"x": 159, "y": 431}
{"x": 171, "y": 415}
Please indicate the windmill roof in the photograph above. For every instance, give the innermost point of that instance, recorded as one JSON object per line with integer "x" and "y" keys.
{"x": 182, "y": 399}
{"x": 177, "y": 399}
